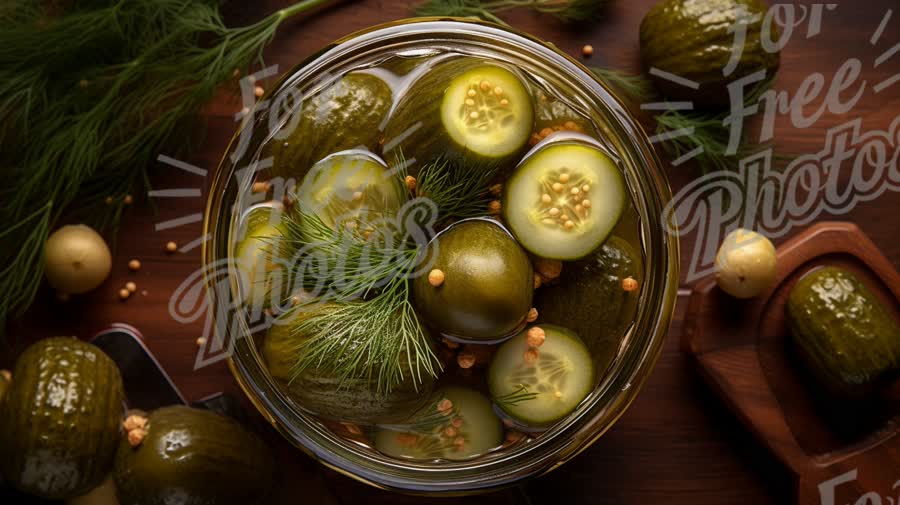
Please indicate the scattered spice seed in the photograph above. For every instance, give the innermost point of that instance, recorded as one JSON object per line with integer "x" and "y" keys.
{"x": 457, "y": 422}
{"x": 459, "y": 442}
{"x": 449, "y": 343}
{"x": 537, "y": 281}
{"x": 536, "y": 337}
{"x": 545, "y": 132}
{"x": 236, "y": 73}
{"x": 259, "y": 91}
{"x": 532, "y": 315}
{"x": 410, "y": 183}
{"x": 587, "y": 50}
{"x": 6, "y": 374}
{"x": 352, "y": 428}
{"x": 436, "y": 277}
{"x": 445, "y": 406}
{"x": 134, "y": 422}
{"x": 531, "y": 356}
{"x": 83, "y": 83}
{"x": 497, "y": 189}
{"x": 144, "y": 292}
{"x": 134, "y": 265}
{"x": 260, "y": 187}
{"x": 407, "y": 439}
{"x": 109, "y": 200}
{"x": 549, "y": 269}
{"x": 171, "y": 247}
{"x": 128, "y": 200}
{"x": 136, "y": 437}
{"x": 494, "y": 207}
{"x": 124, "y": 294}
{"x": 131, "y": 287}
{"x": 629, "y": 284}
{"x": 200, "y": 341}
{"x": 450, "y": 432}
{"x": 465, "y": 360}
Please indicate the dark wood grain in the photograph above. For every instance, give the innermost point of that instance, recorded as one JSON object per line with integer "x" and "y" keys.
{"x": 677, "y": 444}
{"x": 743, "y": 350}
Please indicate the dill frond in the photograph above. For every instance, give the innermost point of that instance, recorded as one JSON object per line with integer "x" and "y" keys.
{"x": 90, "y": 93}
{"x": 521, "y": 394}
{"x": 636, "y": 87}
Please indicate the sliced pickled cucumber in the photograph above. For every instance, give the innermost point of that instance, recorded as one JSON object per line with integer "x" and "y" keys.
{"x": 488, "y": 111}
{"x": 351, "y": 189}
{"x": 540, "y": 390}
{"x": 445, "y": 114}
{"x": 458, "y": 424}
{"x": 262, "y": 278}
{"x": 565, "y": 199}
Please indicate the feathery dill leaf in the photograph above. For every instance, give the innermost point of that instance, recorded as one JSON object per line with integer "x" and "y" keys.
{"x": 636, "y": 87}
{"x": 363, "y": 325}
{"x": 90, "y": 94}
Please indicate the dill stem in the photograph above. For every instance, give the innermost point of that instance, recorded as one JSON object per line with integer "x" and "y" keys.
{"x": 302, "y": 7}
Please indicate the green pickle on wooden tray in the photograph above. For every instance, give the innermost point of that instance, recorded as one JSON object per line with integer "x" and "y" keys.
{"x": 843, "y": 333}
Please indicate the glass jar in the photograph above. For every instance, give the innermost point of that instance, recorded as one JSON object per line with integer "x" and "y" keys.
{"x": 640, "y": 348}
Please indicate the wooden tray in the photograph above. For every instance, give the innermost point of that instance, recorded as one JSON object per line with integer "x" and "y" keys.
{"x": 743, "y": 350}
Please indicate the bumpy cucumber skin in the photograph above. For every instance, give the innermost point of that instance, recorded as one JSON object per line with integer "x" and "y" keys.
{"x": 690, "y": 38}
{"x": 194, "y": 457}
{"x": 60, "y": 419}
{"x": 349, "y": 114}
{"x": 589, "y": 299}
{"x": 480, "y": 301}
{"x": 323, "y": 394}
{"x": 842, "y": 332}
{"x": 416, "y": 122}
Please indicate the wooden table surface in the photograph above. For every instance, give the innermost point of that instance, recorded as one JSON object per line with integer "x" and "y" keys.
{"x": 677, "y": 443}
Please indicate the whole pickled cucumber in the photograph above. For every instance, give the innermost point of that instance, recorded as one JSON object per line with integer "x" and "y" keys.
{"x": 842, "y": 332}
{"x": 589, "y": 298}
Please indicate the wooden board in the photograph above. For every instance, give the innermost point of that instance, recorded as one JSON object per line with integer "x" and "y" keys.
{"x": 743, "y": 350}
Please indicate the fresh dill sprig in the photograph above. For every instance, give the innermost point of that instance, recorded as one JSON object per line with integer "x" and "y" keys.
{"x": 342, "y": 265}
{"x": 569, "y": 11}
{"x": 710, "y": 135}
{"x": 360, "y": 278}
{"x": 635, "y": 87}
{"x": 90, "y": 94}
{"x": 380, "y": 340}
{"x": 458, "y": 190}
{"x": 521, "y": 394}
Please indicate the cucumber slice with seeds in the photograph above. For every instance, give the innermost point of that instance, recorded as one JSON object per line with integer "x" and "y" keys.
{"x": 564, "y": 200}
{"x": 488, "y": 111}
{"x": 538, "y": 392}
{"x": 459, "y": 424}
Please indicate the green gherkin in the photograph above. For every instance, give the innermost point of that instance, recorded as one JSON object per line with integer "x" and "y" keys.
{"x": 60, "y": 419}
{"x": 842, "y": 331}
{"x": 691, "y": 39}
{"x": 194, "y": 457}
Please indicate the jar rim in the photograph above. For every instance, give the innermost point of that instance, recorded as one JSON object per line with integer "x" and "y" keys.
{"x": 605, "y": 404}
